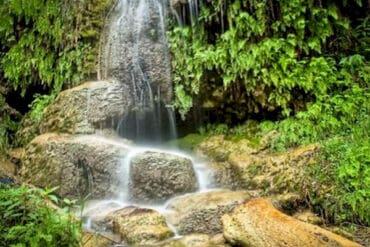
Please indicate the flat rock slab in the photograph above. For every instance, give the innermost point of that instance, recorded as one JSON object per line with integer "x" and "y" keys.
{"x": 202, "y": 212}
{"x": 257, "y": 223}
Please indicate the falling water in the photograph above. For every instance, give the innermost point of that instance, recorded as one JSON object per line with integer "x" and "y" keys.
{"x": 135, "y": 52}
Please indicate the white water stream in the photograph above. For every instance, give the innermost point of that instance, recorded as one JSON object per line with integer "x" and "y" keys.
{"x": 135, "y": 52}
{"x": 97, "y": 209}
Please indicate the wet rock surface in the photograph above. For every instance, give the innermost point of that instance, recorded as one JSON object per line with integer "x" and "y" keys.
{"x": 86, "y": 108}
{"x": 78, "y": 165}
{"x": 156, "y": 177}
{"x": 257, "y": 223}
{"x": 202, "y": 212}
{"x": 140, "y": 226}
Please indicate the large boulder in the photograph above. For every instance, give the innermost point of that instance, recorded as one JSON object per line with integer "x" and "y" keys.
{"x": 90, "y": 106}
{"x": 156, "y": 177}
{"x": 275, "y": 173}
{"x": 251, "y": 166}
{"x": 140, "y": 226}
{"x": 201, "y": 213}
{"x": 257, "y": 223}
{"x": 78, "y": 165}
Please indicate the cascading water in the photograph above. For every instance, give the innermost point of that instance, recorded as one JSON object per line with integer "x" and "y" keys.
{"x": 135, "y": 52}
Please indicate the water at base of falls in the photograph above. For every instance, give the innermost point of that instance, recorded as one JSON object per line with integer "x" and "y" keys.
{"x": 135, "y": 52}
{"x": 121, "y": 199}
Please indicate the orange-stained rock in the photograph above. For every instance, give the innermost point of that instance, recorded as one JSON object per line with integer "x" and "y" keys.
{"x": 257, "y": 223}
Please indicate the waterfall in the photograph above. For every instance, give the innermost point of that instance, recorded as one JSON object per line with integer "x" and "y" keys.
{"x": 135, "y": 52}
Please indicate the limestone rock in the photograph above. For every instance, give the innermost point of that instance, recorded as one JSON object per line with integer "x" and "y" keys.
{"x": 155, "y": 177}
{"x": 257, "y": 223}
{"x": 140, "y": 226}
{"x": 223, "y": 176}
{"x": 7, "y": 172}
{"x": 197, "y": 240}
{"x": 201, "y": 213}
{"x": 309, "y": 217}
{"x": 90, "y": 106}
{"x": 78, "y": 165}
{"x": 218, "y": 148}
{"x": 96, "y": 240}
{"x": 275, "y": 173}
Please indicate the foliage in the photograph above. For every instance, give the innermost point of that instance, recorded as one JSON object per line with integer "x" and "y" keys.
{"x": 27, "y": 220}
{"x": 8, "y": 124}
{"x": 342, "y": 192}
{"x": 51, "y": 44}
{"x": 261, "y": 55}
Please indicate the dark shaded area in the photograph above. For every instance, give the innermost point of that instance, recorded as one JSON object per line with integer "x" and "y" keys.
{"x": 22, "y": 103}
{"x": 148, "y": 126}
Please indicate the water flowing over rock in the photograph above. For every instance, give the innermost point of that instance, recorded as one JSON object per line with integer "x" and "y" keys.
{"x": 156, "y": 177}
{"x": 86, "y": 108}
{"x": 201, "y": 213}
{"x": 135, "y": 52}
{"x": 78, "y": 165}
{"x": 257, "y": 223}
{"x": 140, "y": 226}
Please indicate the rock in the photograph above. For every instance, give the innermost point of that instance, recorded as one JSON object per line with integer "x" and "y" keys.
{"x": 140, "y": 226}
{"x": 90, "y": 106}
{"x": 309, "y": 217}
{"x": 275, "y": 173}
{"x": 95, "y": 215}
{"x": 197, "y": 240}
{"x": 156, "y": 177}
{"x": 223, "y": 176}
{"x": 97, "y": 240}
{"x": 217, "y": 148}
{"x": 287, "y": 202}
{"x": 257, "y": 223}
{"x": 78, "y": 165}
{"x": 143, "y": 45}
{"x": 201, "y": 213}
{"x": 7, "y": 172}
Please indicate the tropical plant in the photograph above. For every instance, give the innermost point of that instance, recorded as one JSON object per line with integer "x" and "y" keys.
{"x": 27, "y": 220}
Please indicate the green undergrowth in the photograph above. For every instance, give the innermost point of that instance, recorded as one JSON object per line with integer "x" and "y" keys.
{"x": 26, "y": 220}
{"x": 45, "y": 47}
{"x": 340, "y": 124}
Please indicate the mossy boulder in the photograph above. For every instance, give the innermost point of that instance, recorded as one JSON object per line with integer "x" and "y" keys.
{"x": 77, "y": 165}
{"x": 254, "y": 167}
{"x": 158, "y": 176}
{"x": 86, "y": 108}
{"x": 140, "y": 226}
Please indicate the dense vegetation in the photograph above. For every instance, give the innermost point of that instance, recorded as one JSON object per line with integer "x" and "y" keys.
{"x": 27, "y": 220}
{"x": 45, "y": 46}
{"x": 304, "y": 63}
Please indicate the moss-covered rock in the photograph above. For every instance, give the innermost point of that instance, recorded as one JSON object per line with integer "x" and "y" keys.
{"x": 77, "y": 165}
{"x": 86, "y": 108}
{"x": 140, "y": 226}
{"x": 201, "y": 213}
